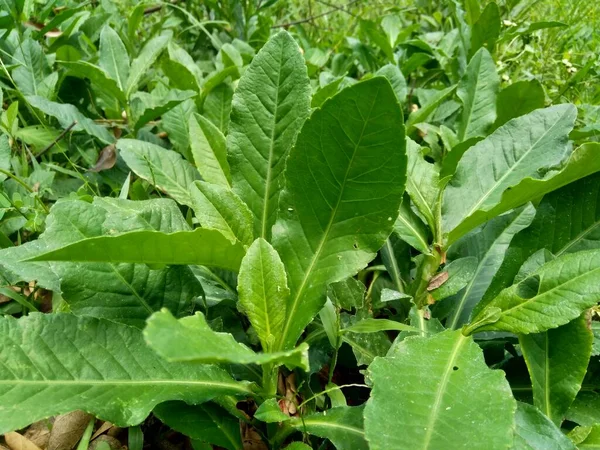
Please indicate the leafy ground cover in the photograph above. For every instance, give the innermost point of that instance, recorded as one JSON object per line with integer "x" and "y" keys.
{"x": 262, "y": 225}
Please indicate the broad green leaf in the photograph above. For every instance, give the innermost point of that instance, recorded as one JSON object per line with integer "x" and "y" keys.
{"x": 113, "y": 57}
{"x": 325, "y": 92}
{"x": 269, "y": 412}
{"x": 428, "y": 108}
{"x": 395, "y": 255}
{"x": 207, "y": 422}
{"x": 557, "y": 360}
{"x": 209, "y": 151}
{"x": 99, "y": 77}
{"x": 488, "y": 244}
{"x": 411, "y": 229}
{"x": 592, "y": 439}
{"x": 217, "y": 106}
{"x": 270, "y": 104}
{"x": 477, "y": 90}
{"x": 553, "y": 295}
{"x": 344, "y": 183}
{"x": 464, "y": 404}
{"x": 365, "y": 346}
{"x": 140, "y": 65}
{"x": 585, "y": 409}
{"x": 5, "y": 153}
{"x": 396, "y": 79}
{"x": 163, "y": 168}
{"x": 298, "y": 446}
{"x": 146, "y": 107}
{"x": 32, "y": 69}
{"x": 66, "y": 114}
{"x": 263, "y": 292}
{"x": 518, "y": 99}
{"x": 566, "y": 221}
{"x": 347, "y": 294}
{"x": 343, "y": 426}
{"x": 373, "y": 325}
{"x": 58, "y": 363}
{"x": 584, "y": 161}
{"x": 486, "y": 30}
{"x": 176, "y": 123}
{"x": 181, "y": 69}
{"x": 460, "y": 273}
{"x": 218, "y": 208}
{"x": 422, "y": 183}
{"x": 534, "y": 431}
{"x": 192, "y": 340}
{"x": 524, "y": 147}
{"x": 199, "y": 247}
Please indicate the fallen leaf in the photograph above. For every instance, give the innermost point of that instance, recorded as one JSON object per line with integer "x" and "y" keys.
{"x": 103, "y": 429}
{"x": 15, "y": 441}
{"x": 67, "y": 430}
{"x": 39, "y": 433}
{"x": 106, "y": 159}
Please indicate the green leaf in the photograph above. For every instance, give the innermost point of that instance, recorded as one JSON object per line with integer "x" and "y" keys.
{"x": 396, "y": 79}
{"x": 163, "y": 168}
{"x": 181, "y": 69}
{"x": 524, "y": 147}
{"x": 192, "y": 340}
{"x": 486, "y": 30}
{"x": 113, "y": 57}
{"x": 585, "y": 409}
{"x": 422, "y": 183}
{"x": 592, "y": 439}
{"x": 217, "y": 106}
{"x": 176, "y": 123}
{"x": 140, "y": 65}
{"x": 199, "y": 247}
{"x": 477, "y": 90}
{"x": 553, "y": 295}
{"x": 207, "y": 422}
{"x": 58, "y": 363}
{"x": 99, "y": 78}
{"x": 365, "y": 346}
{"x": 32, "y": 70}
{"x": 344, "y": 183}
{"x": 557, "y": 361}
{"x": 270, "y": 105}
{"x": 263, "y": 291}
{"x": 146, "y": 107}
{"x": 66, "y": 114}
{"x": 218, "y": 208}
{"x": 464, "y": 403}
{"x": 269, "y": 412}
{"x": 411, "y": 229}
{"x": 343, "y": 426}
{"x": 428, "y": 108}
{"x": 209, "y": 151}
{"x": 584, "y": 161}
{"x": 347, "y": 294}
{"x": 5, "y": 153}
{"x": 460, "y": 273}
{"x": 370, "y": 325}
{"x": 325, "y": 92}
{"x": 518, "y": 99}
{"x": 488, "y": 244}
{"x": 535, "y": 431}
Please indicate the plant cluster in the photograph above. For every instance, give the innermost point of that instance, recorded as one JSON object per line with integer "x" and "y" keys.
{"x": 233, "y": 234}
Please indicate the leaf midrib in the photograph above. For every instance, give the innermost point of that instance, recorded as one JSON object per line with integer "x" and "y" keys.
{"x": 577, "y": 239}
{"x": 470, "y": 112}
{"x": 127, "y": 382}
{"x": 414, "y": 230}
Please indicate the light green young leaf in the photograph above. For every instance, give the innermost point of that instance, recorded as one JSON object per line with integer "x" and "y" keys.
{"x": 176, "y": 123}
{"x": 263, "y": 292}
{"x": 423, "y": 113}
{"x": 422, "y": 183}
{"x": 586, "y": 437}
{"x": 56, "y": 358}
{"x": 269, "y": 412}
{"x": 207, "y": 422}
{"x": 477, "y": 90}
{"x": 488, "y": 244}
{"x": 584, "y": 161}
{"x": 66, "y": 114}
{"x": 99, "y": 78}
{"x": 192, "y": 340}
{"x": 140, "y": 65}
{"x": 181, "y": 69}
{"x": 343, "y": 426}
{"x": 218, "y": 208}
{"x": 524, "y": 147}
{"x": 270, "y": 104}
{"x": 411, "y": 229}
{"x": 344, "y": 184}
{"x": 557, "y": 361}
{"x": 163, "y": 168}
{"x": 535, "y": 431}
{"x": 370, "y": 325}
{"x": 146, "y": 107}
{"x": 464, "y": 403}
{"x": 113, "y": 57}
{"x": 553, "y": 295}
{"x": 32, "y": 69}
{"x": 199, "y": 247}
{"x": 396, "y": 79}
{"x": 5, "y": 153}
{"x": 518, "y": 99}
{"x": 209, "y": 151}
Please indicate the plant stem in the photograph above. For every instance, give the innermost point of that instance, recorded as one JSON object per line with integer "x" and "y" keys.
{"x": 269, "y": 380}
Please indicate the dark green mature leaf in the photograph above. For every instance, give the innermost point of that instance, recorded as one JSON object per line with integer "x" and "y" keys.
{"x": 518, "y": 99}
{"x": 219, "y": 208}
{"x": 463, "y": 403}
{"x": 396, "y": 79}
{"x": 347, "y": 294}
{"x": 56, "y": 363}
{"x": 524, "y": 147}
{"x": 411, "y": 229}
{"x": 192, "y": 340}
{"x": 270, "y": 412}
{"x": 585, "y": 409}
{"x": 551, "y": 296}
{"x": 365, "y": 346}
{"x": 486, "y": 30}
{"x": 263, "y": 292}
{"x": 113, "y": 57}
{"x": 344, "y": 183}
{"x": 422, "y": 183}
{"x": 146, "y": 107}
{"x": 428, "y": 108}
{"x": 66, "y": 114}
{"x": 99, "y": 78}
{"x": 343, "y": 426}
{"x": 33, "y": 74}
{"x": 140, "y": 65}
{"x": 477, "y": 90}
{"x": 181, "y": 69}
{"x": 460, "y": 272}
{"x": 270, "y": 105}
{"x": 217, "y": 106}
{"x": 370, "y": 325}
{"x": 557, "y": 361}
{"x": 534, "y": 431}
{"x": 207, "y": 422}
{"x": 165, "y": 169}
{"x": 209, "y": 151}
{"x": 488, "y": 244}
{"x": 176, "y": 123}
{"x": 584, "y": 161}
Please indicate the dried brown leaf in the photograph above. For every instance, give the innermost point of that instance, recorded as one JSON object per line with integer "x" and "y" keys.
{"x": 16, "y": 441}
{"x": 437, "y": 281}
{"x": 67, "y": 430}
{"x": 106, "y": 159}
{"x": 39, "y": 433}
